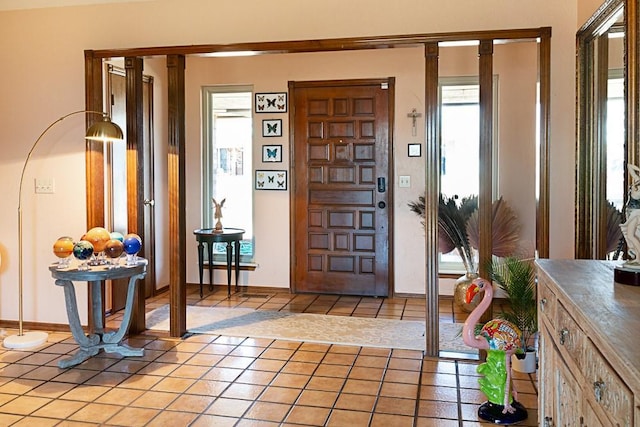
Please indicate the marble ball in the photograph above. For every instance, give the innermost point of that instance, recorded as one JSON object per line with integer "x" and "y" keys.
{"x": 63, "y": 247}
{"x": 98, "y": 237}
{"x": 83, "y": 250}
{"x": 132, "y": 244}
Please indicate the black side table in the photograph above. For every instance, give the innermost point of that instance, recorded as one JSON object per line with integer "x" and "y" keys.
{"x": 98, "y": 339}
{"x": 232, "y": 237}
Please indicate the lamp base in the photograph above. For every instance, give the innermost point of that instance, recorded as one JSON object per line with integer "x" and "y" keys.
{"x": 26, "y": 340}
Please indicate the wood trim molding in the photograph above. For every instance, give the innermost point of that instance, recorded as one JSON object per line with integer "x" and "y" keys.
{"x": 177, "y": 192}
{"x": 432, "y": 195}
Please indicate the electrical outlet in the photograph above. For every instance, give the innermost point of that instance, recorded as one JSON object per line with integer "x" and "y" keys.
{"x": 405, "y": 181}
{"x": 45, "y": 185}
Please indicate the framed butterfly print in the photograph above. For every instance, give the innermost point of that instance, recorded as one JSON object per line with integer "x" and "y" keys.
{"x": 271, "y": 180}
{"x": 272, "y": 127}
{"x": 272, "y": 153}
{"x": 271, "y": 102}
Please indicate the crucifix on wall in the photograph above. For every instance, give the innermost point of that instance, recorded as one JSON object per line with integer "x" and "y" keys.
{"x": 414, "y": 115}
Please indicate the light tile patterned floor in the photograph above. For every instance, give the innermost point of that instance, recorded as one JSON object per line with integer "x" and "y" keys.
{"x": 208, "y": 380}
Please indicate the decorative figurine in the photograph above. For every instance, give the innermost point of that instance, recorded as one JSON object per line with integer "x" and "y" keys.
{"x": 500, "y": 339}
{"x": 629, "y": 272}
{"x": 217, "y": 214}
{"x": 632, "y": 214}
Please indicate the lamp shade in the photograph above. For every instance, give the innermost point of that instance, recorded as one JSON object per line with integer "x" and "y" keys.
{"x": 104, "y": 130}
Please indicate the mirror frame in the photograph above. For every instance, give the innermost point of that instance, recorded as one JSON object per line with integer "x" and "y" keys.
{"x": 590, "y": 222}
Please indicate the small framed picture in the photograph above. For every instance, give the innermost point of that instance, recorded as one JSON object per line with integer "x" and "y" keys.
{"x": 271, "y": 180}
{"x": 271, "y": 102}
{"x": 272, "y": 153}
{"x": 272, "y": 127}
{"x": 415, "y": 150}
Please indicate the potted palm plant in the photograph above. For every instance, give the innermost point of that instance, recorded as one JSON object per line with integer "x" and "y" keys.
{"x": 517, "y": 278}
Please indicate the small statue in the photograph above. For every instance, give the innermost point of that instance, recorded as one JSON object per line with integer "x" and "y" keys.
{"x": 632, "y": 213}
{"x": 217, "y": 214}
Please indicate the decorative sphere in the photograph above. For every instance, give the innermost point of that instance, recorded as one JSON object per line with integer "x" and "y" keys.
{"x": 83, "y": 250}
{"x": 63, "y": 247}
{"x": 117, "y": 236}
{"x": 132, "y": 244}
{"x": 114, "y": 248}
{"x": 98, "y": 237}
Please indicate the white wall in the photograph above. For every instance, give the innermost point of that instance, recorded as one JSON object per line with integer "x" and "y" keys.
{"x": 41, "y": 51}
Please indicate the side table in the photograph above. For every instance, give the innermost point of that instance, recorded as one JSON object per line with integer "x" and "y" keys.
{"x": 98, "y": 339}
{"x": 230, "y": 236}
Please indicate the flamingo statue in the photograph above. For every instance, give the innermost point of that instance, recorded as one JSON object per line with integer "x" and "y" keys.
{"x": 500, "y": 339}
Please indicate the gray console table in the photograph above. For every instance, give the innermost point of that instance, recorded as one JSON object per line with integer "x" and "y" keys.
{"x": 98, "y": 339}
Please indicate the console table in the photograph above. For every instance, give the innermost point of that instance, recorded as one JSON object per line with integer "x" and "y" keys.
{"x": 98, "y": 339}
{"x": 230, "y": 236}
{"x": 589, "y": 371}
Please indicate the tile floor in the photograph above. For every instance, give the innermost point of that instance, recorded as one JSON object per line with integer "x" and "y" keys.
{"x": 210, "y": 380}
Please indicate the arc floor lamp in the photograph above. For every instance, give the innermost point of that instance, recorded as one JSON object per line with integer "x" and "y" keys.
{"x": 104, "y": 130}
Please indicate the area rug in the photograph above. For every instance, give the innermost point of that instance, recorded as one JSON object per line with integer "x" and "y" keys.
{"x": 317, "y": 328}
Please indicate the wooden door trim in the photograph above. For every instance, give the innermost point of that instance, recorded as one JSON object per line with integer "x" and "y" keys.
{"x": 293, "y": 85}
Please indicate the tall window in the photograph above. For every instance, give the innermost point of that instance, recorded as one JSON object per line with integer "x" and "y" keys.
{"x": 460, "y": 145}
{"x": 226, "y": 156}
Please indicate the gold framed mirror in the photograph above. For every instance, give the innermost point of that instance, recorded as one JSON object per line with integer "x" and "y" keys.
{"x": 606, "y": 123}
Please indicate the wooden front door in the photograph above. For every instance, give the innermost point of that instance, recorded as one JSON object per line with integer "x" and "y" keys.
{"x": 342, "y": 186}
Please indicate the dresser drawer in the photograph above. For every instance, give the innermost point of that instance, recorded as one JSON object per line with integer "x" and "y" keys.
{"x": 547, "y": 302}
{"x": 606, "y": 387}
{"x": 569, "y": 336}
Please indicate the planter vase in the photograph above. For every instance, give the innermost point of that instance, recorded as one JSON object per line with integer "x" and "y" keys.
{"x": 528, "y": 363}
{"x": 460, "y": 290}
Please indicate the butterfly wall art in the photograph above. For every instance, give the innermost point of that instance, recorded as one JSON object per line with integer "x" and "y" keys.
{"x": 272, "y": 153}
{"x": 272, "y": 127}
{"x": 271, "y": 102}
{"x": 271, "y": 180}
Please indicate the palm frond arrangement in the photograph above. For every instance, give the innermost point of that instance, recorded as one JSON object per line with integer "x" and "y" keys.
{"x": 517, "y": 278}
{"x": 452, "y": 220}
{"x": 458, "y": 227}
{"x": 505, "y": 231}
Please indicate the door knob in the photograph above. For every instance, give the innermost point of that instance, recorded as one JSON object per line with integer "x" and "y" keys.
{"x": 149, "y": 202}
{"x": 382, "y": 205}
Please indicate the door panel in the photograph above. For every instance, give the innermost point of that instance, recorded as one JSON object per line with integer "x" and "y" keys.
{"x": 342, "y": 147}
{"x": 118, "y": 196}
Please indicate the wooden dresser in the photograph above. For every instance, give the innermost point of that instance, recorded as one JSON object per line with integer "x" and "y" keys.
{"x": 589, "y": 372}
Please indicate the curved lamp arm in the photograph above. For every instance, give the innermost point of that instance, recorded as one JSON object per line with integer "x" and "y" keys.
{"x": 104, "y": 130}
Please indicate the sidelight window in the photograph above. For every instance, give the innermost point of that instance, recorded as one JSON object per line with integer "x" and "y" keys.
{"x": 226, "y": 162}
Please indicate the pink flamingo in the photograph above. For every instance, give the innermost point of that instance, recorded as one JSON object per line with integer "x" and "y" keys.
{"x": 497, "y": 334}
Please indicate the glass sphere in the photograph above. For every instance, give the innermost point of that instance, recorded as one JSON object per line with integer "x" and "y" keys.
{"x": 83, "y": 250}
{"x": 116, "y": 235}
{"x": 63, "y": 247}
{"x": 132, "y": 244}
{"x": 98, "y": 237}
{"x": 114, "y": 248}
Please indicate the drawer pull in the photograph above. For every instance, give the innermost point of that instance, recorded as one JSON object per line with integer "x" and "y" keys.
{"x": 564, "y": 333}
{"x": 548, "y": 422}
{"x": 598, "y": 389}
{"x": 543, "y": 303}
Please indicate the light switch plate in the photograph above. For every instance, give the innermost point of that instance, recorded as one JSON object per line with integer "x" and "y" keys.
{"x": 405, "y": 181}
{"x": 45, "y": 186}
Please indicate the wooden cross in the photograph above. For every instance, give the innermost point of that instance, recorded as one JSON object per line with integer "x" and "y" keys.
{"x": 413, "y": 115}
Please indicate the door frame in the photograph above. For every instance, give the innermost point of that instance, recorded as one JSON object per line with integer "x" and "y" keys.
{"x": 390, "y": 81}
{"x": 176, "y": 143}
